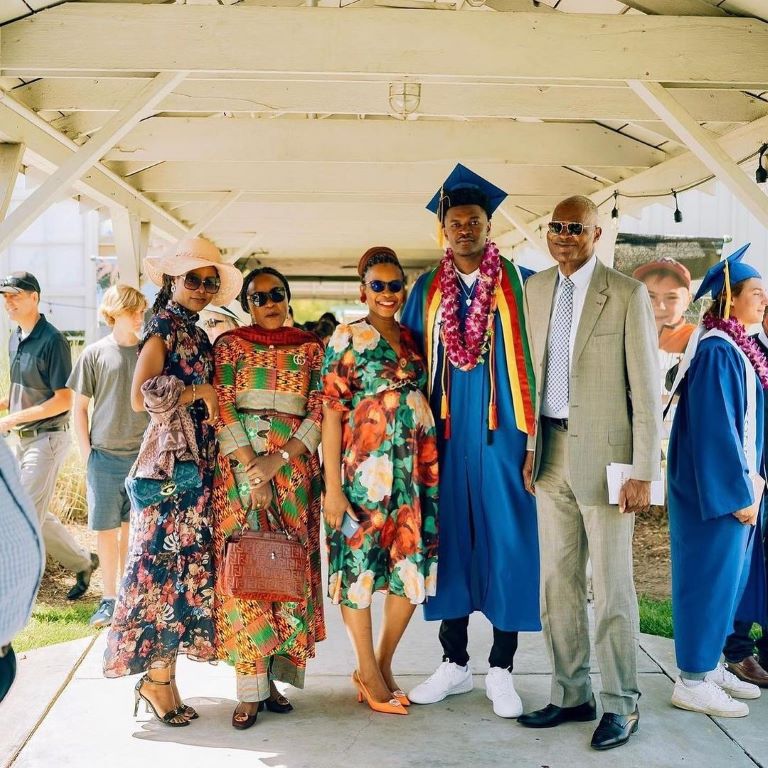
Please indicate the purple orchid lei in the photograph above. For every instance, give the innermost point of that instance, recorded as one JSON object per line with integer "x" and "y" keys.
{"x": 465, "y": 350}
{"x": 747, "y": 345}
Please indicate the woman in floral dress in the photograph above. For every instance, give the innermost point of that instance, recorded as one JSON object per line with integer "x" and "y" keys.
{"x": 165, "y": 601}
{"x": 268, "y": 384}
{"x": 380, "y": 455}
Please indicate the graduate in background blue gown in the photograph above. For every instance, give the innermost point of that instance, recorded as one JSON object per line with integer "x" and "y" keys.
{"x": 716, "y": 446}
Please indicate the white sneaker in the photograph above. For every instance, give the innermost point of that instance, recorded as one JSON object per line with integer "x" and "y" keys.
{"x": 708, "y": 698}
{"x": 448, "y": 679}
{"x": 500, "y": 689}
{"x": 731, "y": 684}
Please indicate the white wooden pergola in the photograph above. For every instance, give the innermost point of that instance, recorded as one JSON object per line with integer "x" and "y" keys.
{"x": 304, "y": 133}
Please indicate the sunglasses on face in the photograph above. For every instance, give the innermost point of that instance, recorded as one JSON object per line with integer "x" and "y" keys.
{"x": 210, "y": 284}
{"x": 260, "y": 298}
{"x": 572, "y": 227}
{"x": 379, "y": 286}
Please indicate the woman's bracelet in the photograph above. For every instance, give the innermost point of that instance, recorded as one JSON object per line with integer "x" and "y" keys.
{"x": 194, "y": 392}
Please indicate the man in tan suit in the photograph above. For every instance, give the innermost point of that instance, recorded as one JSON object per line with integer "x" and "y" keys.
{"x": 594, "y": 346}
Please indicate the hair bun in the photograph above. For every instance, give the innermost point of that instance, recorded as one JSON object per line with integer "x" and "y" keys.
{"x": 370, "y": 253}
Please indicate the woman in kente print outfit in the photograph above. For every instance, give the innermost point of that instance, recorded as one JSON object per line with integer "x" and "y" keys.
{"x": 380, "y": 456}
{"x": 165, "y": 602}
{"x": 268, "y": 383}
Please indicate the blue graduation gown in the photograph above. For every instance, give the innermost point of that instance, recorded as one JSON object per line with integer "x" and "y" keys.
{"x": 713, "y": 570}
{"x": 488, "y": 557}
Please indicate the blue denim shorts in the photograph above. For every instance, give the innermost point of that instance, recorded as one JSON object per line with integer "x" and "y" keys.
{"x": 108, "y": 504}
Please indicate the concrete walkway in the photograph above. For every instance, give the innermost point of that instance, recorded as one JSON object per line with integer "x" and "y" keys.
{"x": 63, "y": 714}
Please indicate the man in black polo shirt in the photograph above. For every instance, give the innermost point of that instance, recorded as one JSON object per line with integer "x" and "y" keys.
{"x": 38, "y": 405}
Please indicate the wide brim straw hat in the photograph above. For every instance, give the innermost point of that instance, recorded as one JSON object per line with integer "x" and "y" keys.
{"x": 195, "y": 253}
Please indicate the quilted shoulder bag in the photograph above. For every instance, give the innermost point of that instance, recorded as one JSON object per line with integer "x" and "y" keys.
{"x": 146, "y": 491}
{"x": 267, "y": 565}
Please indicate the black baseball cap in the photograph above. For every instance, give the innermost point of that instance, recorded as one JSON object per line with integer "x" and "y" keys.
{"x": 17, "y": 282}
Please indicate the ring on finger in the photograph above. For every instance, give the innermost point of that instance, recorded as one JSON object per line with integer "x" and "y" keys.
{"x": 257, "y": 480}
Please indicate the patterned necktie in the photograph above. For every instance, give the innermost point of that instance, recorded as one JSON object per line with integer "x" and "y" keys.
{"x": 556, "y": 390}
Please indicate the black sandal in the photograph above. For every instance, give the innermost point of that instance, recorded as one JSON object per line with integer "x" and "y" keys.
{"x": 245, "y": 721}
{"x": 170, "y": 718}
{"x": 184, "y": 709}
{"x": 278, "y": 704}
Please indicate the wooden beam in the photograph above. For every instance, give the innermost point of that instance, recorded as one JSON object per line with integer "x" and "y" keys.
{"x": 246, "y": 249}
{"x": 519, "y": 223}
{"x": 350, "y": 97}
{"x": 47, "y": 150}
{"x": 654, "y": 185}
{"x": 214, "y": 213}
{"x": 86, "y": 156}
{"x": 131, "y": 243}
{"x": 380, "y": 141}
{"x": 675, "y": 7}
{"x": 10, "y": 165}
{"x": 82, "y": 38}
{"x": 211, "y": 180}
{"x": 705, "y": 147}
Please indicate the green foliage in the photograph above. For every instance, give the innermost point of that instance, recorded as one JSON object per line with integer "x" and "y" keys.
{"x": 52, "y": 624}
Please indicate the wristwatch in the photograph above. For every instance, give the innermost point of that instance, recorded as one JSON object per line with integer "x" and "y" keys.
{"x": 285, "y": 455}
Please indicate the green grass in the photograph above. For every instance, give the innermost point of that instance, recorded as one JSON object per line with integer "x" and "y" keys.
{"x": 655, "y": 616}
{"x": 52, "y": 624}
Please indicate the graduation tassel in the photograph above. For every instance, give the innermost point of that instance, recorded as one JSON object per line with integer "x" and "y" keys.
{"x": 440, "y": 236}
{"x": 445, "y": 408}
{"x": 727, "y": 309}
{"x": 493, "y": 413}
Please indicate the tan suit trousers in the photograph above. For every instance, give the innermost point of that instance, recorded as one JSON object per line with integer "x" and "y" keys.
{"x": 569, "y": 534}
{"x": 40, "y": 460}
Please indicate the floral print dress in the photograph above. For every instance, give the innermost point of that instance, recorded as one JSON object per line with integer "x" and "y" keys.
{"x": 165, "y": 601}
{"x": 389, "y": 468}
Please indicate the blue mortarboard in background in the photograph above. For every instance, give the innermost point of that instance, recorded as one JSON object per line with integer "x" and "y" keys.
{"x": 465, "y": 187}
{"x": 715, "y": 280}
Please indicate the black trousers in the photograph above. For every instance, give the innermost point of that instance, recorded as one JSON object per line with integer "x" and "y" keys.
{"x": 739, "y": 645}
{"x": 453, "y": 638}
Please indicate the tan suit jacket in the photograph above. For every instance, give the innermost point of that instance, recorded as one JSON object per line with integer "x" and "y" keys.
{"x": 614, "y": 408}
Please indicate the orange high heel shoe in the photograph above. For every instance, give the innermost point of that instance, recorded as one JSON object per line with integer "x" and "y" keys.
{"x": 401, "y": 697}
{"x": 391, "y": 707}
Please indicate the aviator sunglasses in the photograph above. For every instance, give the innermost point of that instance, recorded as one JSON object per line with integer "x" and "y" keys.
{"x": 260, "y": 298}
{"x": 573, "y": 227}
{"x": 210, "y": 284}
{"x": 379, "y": 286}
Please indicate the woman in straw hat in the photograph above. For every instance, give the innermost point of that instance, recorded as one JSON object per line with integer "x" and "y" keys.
{"x": 268, "y": 383}
{"x": 164, "y": 606}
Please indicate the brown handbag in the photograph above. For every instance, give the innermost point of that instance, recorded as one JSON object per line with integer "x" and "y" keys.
{"x": 265, "y": 565}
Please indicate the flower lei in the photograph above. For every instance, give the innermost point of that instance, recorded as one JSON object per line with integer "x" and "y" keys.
{"x": 746, "y": 344}
{"x": 466, "y": 349}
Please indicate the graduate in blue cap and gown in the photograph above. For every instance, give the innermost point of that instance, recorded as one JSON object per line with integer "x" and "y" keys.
{"x": 468, "y": 315}
{"x": 715, "y": 471}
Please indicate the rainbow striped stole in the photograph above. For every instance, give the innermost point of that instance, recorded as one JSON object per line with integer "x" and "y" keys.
{"x": 509, "y": 304}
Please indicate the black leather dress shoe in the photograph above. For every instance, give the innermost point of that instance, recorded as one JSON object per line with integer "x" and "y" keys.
{"x": 615, "y": 730}
{"x": 83, "y": 579}
{"x": 551, "y": 715}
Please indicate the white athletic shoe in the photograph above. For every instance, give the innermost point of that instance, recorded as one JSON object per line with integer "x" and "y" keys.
{"x": 447, "y": 680}
{"x": 731, "y": 684}
{"x": 500, "y": 689}
{"x": 708, "y": 698}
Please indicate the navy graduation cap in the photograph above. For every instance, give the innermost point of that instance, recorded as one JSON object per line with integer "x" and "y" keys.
{"x": 465, "y": 187}
{"x": 725, "y": 273}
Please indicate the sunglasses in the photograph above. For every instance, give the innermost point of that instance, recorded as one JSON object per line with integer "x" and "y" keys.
{"x": 210, "y": 284}
{"x": 260, "y": 298}
{"x": 379, "y": 286}
{"x": 573, "y": 227}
